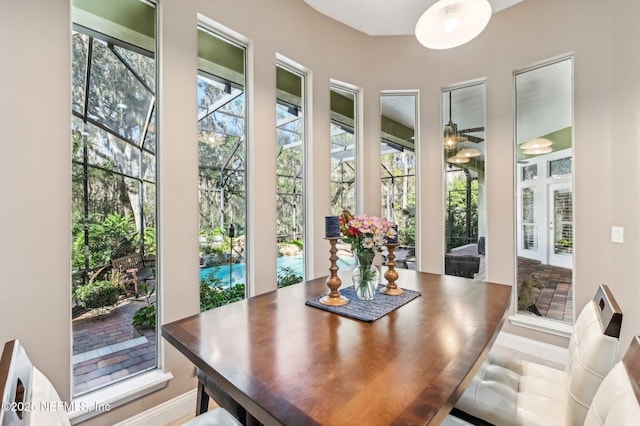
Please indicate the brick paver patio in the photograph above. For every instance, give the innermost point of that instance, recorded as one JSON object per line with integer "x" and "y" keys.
{"x": 555, "y": 301}
{"x": 107, "y": 348}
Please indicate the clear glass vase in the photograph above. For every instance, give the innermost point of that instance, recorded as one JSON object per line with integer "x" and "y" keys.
{"x": 365, "y": 276}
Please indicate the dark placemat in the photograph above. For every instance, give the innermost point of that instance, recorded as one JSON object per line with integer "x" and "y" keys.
{"x": 366, "y": 310}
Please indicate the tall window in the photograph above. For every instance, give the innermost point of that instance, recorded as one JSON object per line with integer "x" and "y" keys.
{"x": 222, "y": 169}
{"x": 114, "y": 193}
{"x": 544, "y": 185}
{"x": 343, "y": 131}
{"x": 290, "y": 161}
{"x": 464, "y": 149}
{"x": 398, "y": 170}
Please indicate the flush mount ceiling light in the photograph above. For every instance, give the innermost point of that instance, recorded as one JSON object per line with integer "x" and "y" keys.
{"x": 536, "y": 143}
{"x": 537, "y": 151}
{"x": 536, "y": 146}
{"x": 451, "y": 23}
{"x": 457, "y": 160}
{"x": 468, "y": 153}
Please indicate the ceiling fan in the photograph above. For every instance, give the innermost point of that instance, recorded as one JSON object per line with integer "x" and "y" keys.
{"x": 453, "y": 136}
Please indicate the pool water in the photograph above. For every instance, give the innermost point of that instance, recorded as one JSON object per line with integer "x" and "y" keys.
{"x": 236, "y": 272}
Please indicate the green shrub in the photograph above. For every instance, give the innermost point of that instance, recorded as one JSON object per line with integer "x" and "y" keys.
{"x": 297, "y": 243}
{"x": 213, "y": 295}
{"x": 97, "y": 294}
{"x": 146, "y": 316}
{"x": 150, "y": 241}
{"x": 109, "y": 237}
{"x": 287, "y": 277}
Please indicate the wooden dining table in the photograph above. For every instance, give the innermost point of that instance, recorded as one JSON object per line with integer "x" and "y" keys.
{"x": 293, "y": 364}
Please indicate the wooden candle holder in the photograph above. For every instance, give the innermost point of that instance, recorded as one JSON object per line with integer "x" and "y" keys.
{"x": 334, "y": 298}
{"x": 391, "y": 289}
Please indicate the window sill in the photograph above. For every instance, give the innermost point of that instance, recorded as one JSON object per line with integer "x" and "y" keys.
{"x": 543, "y": 325}
{"x": 103, "y": 400}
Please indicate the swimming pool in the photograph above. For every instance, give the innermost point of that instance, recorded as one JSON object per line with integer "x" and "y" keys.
{"x": 236, "y": 272}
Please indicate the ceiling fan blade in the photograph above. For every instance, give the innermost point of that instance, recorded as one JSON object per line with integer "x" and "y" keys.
{"x": 473, "y": 138}
{"x": 473, "y": 130}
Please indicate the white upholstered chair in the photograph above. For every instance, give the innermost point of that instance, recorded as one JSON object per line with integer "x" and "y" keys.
{"x": 23, "y": 386}
{"x": 217, "y": 416}
{"x": 209, "y": 388}
{"x": 518, "y": 392}
{"x": 29, "y": 398}
{"x": 617, "y": 401}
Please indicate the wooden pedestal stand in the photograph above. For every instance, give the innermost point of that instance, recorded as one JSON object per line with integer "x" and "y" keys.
{"x": 334, "y": 298}
{"x": 391, "y": 289}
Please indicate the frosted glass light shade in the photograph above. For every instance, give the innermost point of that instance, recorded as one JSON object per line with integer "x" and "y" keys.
{"x": 537, "y": 151}
{"x": 468, "y": 153}
{"x": 536, "y": 143}
{"x": 457, "y": 160}
{"x": 436, "y": 30}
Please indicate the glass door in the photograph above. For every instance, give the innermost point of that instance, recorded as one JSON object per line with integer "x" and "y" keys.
{"x": 560, "y": 225}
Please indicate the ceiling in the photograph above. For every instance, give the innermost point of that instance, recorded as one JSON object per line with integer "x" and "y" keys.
{"x": 544, "y": 98}
{"x": 384, "y": 17}
{"x": 543, "y": 106}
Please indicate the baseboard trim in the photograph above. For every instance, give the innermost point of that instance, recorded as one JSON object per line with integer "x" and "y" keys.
{"x": 543, "y": 350}
{"x": 166, "y": 412}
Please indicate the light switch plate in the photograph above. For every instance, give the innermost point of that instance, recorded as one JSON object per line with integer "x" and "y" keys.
{"x": 617, "y": 234}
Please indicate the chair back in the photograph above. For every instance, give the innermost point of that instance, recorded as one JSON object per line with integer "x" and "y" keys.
{"x": 617, "y": 401}
{"x": 26, "y": 392}
{"x": 609, "y": 313}
{"x": 592, "y": 351}
{"x": 461, "y": 266}
{"x": 125, "y": 263}
{"x": 15, "y": 377}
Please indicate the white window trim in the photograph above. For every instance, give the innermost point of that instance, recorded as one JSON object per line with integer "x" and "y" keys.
{"x": 545, "y": 325}
{"x": 542, "y": 324}
{"x": 306, "y": 75}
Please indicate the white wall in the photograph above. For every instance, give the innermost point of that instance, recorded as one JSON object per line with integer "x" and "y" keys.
{"x": 621, "y": 95}
{"x": 35, "y": 156}
{"x": 35, "y": 182}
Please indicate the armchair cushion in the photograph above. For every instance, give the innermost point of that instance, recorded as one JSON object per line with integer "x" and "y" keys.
{"x": 510, "y": 391}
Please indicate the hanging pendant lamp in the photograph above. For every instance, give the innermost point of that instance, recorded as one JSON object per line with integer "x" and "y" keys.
{"x": 451, "y": 135}
{"x": 451, "y": 23}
